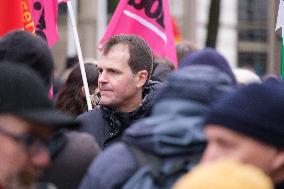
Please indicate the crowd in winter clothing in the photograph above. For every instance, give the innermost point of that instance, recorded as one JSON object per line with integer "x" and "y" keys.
{"x": 203, "y": 125}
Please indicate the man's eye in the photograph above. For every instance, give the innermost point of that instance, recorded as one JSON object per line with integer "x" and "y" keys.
{"x": 113, "y": 72}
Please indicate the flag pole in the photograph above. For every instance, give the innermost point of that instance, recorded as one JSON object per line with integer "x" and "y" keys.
{"x": 282, "y": 55}
{"x": 80, "y": 56}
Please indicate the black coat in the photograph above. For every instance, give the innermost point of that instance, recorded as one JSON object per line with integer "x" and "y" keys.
{"x": 279, "y": 186}
{"x": 107, "y": 126}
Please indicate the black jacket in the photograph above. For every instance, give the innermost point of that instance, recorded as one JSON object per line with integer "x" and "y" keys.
{"x": 107, "y": 125}
{"x": 280, "y": 186}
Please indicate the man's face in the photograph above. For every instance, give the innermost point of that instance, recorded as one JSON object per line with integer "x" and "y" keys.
{"x": 120, "y": 89}
{"x": 20, "y": 164}
{"x": 225, "y": 143}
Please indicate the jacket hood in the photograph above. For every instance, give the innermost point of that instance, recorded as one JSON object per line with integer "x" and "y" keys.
{"x": 175, "y": 124}
{"x": 172, "y": 131}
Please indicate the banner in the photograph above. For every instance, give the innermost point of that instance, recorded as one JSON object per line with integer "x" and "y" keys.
{"x": 45, "y": 19}
{"x": 28, "y": 21}
{"x": 149, "y": 19}
{"x": 11, "y": 16}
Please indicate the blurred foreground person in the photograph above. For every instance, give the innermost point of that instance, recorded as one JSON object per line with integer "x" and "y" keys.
{"x": 26, "y": 122}
{"x": 248, "y": 125}
{"x": 21, "y": 47}
{"x": 224, "y": 174}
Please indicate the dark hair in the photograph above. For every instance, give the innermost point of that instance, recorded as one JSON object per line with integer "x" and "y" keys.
{"x": 71, "y": 98}
{"x": 184, "y": 48}
{"x": 141, "y": 57}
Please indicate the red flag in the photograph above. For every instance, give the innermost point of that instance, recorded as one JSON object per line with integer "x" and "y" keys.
{"x": 11, "y": 16}
{"x": 148, "y": 19}
{"x": 177, "y": 34}
{"x": 27, "y": 16}
{"x": 16, "y": 14}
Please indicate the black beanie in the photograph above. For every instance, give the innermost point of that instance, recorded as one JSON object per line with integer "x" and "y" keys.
{"x": 256, "y": 110}
{"x": 22, "y": 47}
{"x": 209, "y": 57}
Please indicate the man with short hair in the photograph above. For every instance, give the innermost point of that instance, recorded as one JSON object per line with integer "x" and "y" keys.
{"x": 124, "y": 69}
{"x": 248, "y": 125}
{"x": 27, "y": 120}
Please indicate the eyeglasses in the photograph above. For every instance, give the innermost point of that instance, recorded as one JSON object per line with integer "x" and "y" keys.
{"x": 31, "y": 143}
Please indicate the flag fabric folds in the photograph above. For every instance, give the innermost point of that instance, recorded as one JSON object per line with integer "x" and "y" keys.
{"x": 45, "y": 19}
{"x": 149, "y": 19}
{"x": 11, "y": 16}
{"x": 36, "y": 16}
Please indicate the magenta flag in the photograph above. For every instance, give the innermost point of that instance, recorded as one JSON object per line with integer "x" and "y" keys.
{"x": 45, "y": 19}
{"x": 149, "y": 19}
{"x": 62, "y": 1}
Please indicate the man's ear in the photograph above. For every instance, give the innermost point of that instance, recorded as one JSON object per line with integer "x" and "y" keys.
{"x": 141, "y": 78}
{"x": 278, "y": 166}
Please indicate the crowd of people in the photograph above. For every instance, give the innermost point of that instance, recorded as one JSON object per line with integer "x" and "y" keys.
{"x": 203, "y": 125}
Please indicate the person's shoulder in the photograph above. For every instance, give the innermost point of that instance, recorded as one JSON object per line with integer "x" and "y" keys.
{"x": 91, "y": 122}
{"x": 92, "y": 114}
{"x": 116, "y": 162}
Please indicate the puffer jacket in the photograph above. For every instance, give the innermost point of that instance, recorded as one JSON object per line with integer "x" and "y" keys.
{"x": 107, "y": 125}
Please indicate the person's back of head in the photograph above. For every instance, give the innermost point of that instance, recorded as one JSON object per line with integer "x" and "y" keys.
{"x": 209, "y": 57}
{"x": 71, "y": 97}
{"x": 22, "y": 47}
{"x": 161, "y": 69}
{"x": 224, "y": 174}
{"x": 71, "y": 163}
{"x": 141, "y": 56}
{"x": 185, "y": 48}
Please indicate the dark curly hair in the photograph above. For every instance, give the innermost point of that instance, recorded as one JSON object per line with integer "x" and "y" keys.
{"x": 71, "y": 98}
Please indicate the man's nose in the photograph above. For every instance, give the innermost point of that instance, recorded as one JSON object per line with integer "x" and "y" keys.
{"x": 41, "y": 159}
{"x": 210, "y": 154}
{"x": 103, "y": 78}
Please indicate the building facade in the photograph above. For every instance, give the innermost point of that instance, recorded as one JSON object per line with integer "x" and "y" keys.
{"x": 246, "y": 30}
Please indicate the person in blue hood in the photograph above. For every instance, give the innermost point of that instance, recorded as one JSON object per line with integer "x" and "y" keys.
{"x": 172, "y": 133}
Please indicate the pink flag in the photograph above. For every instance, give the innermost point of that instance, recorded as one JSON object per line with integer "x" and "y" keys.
{"x": 45, "y": 19}
{"x": 62, "y": 1}
{"x": 149, "y": 19}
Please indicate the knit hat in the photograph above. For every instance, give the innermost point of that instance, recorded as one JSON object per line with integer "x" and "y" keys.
{"x": 224, "y": 174}
{"x": 22, "y": 93}
{"x": 209, "y": 57}
{"x": 200, "y": 83}
{"x": 22, "y": 47}
{"x": 256, "y": 110}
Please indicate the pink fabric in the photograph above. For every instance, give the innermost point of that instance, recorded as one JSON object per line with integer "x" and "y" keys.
{"x": 137, "y": 18}
{"x": 50, "y": 94}
{"x": 45, "y": 19}
{"x": 62, "y": 1}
